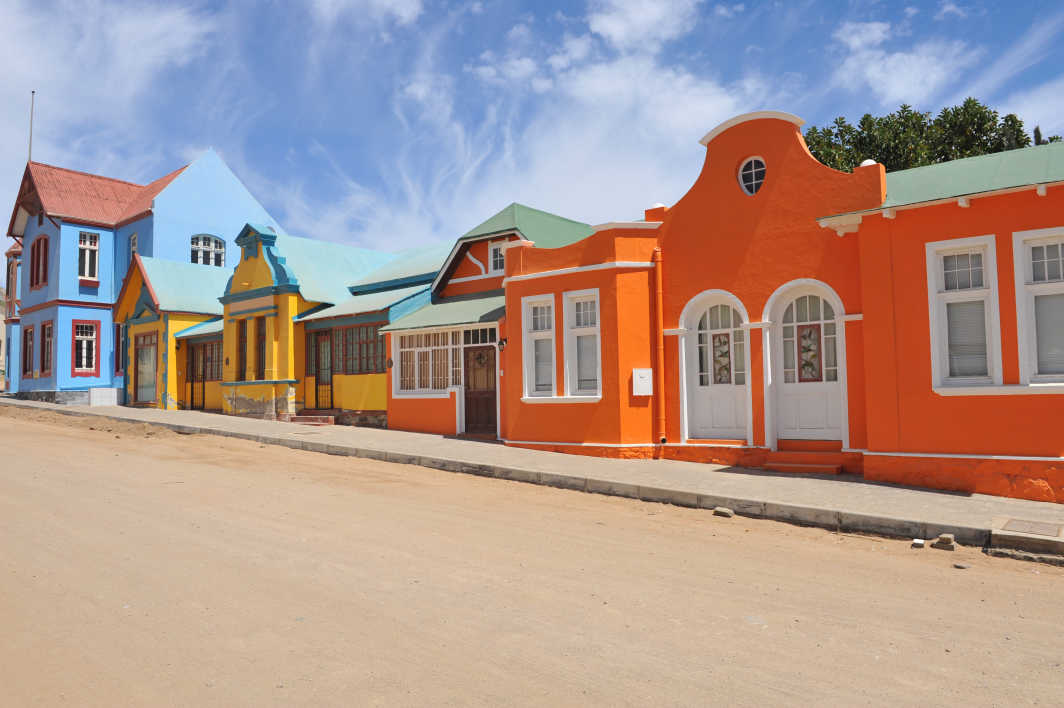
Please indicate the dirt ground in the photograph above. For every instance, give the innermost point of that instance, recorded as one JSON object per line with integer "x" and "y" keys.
{"x": 142, "y": 567}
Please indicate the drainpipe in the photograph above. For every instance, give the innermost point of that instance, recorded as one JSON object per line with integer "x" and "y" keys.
{"x": 659, "y": 350}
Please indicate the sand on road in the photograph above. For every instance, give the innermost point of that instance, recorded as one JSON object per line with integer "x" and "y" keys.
{"x": 142, "y": 567}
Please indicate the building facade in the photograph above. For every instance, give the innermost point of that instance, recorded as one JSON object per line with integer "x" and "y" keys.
{"x": 81, "y": 232}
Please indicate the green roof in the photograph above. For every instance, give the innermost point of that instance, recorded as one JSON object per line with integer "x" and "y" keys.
{"x": 486, "y": 307}
{"x": 186, "y": 287}
{"x": 370, "y": 302}
{"x": 1041, "y": 164}
{"x": 546, "y": 230}
{"x": 423, "y": 261}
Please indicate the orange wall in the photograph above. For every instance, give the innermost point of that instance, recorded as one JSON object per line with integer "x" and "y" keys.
{"x": 466, "y": 268}
{"x": 625, "y": 302}
{"x": 422, "y": 415}
{"x": 905, "y": 414}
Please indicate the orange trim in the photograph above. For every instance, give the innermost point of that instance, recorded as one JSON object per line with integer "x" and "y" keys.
{"x": 809, "y": 445}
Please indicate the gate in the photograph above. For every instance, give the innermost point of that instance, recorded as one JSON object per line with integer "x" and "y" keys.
{"x": 323, "y": 386}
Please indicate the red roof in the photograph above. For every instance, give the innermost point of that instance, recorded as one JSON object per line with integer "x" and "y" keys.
{"x": 92, "y": 199}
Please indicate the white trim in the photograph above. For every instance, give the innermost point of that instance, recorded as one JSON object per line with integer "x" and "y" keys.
{"x": 746, "y": 117}
{"x": 1026, "y": 289}
{"x": 1031, "y": 389}
{"x": 438, "y": 280}
{"x": 694, "y": 307}
{"x": 739, "y": 174}
{"x": 528, "y": 339}
{"x": 501, "y": 243}
{"x": 679, "y": 331}
{"x": 439, "y": 394}
{"x": 856, "y": 317}
{"x": 569, "y": 351}
{"x": 468, "y": 278}
{"x": 477, "y": 263}
{"x": 947, "y": 455}
{"x": 1040, "y": 190}
{"x": 626, "y": 225}
{"x": 561, "y": 399}
{"x": 780, "y": 296}
{"x": 963, "y": 202}
{"x": 936, "y": 303}
{"x": 579, "y": 269}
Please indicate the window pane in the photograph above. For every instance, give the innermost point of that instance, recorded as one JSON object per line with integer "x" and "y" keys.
{"x": 721, "y": 359}
{"x": 714, "y": 317}
{"x": 803, "y": 309}
{"x": 788, "y": 354}
{"x": 788, "y": 316}
{"x": 829, "y": 312}
{"x": 814, "y": 308}
{"x": 1049, "y": 333}
{"x": 1053, "y": 270}
{"x": 543, "y": 363}
{"x": 966, "y": 324}
{"x": 586, "y": 362}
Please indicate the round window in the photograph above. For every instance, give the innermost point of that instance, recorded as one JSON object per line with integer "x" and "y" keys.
{"x": 752, "y": 175}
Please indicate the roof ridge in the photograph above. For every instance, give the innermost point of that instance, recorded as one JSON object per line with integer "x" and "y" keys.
{"x": 551, "y": 214}
{"x": 86, "y": 174}
{"x": 999, "y": 153}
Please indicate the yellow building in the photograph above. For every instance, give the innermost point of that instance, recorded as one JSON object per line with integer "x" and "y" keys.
{"x": 159, "y": 301}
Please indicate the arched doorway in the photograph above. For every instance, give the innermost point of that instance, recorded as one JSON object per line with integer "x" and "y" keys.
{"x": 808, "y": 359}
{"x": 716, "y": 366}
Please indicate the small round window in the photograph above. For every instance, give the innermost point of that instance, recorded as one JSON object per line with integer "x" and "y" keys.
{"x": 752, "y": 175}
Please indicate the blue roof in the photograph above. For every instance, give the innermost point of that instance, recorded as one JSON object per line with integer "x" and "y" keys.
{"x": 324, "y": 269}
{"x": 415, "y": 264}
{"x": 370, "y": 302}
{"x": 186, "y": 287}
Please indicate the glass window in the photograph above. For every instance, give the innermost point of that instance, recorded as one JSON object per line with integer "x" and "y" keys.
{"x": 84, "y": 347}
{"x": 539, "y": 349}
{"x": 752, "y": 175}
{"x": 498, "y": 259}
{"x": 810, "y": 349}
{"x": 208, "y": 250}
{"x": 88, "y": 252}
{"x": 966, "y": 337}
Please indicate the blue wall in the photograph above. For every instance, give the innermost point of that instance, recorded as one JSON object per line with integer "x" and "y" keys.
{"x": 29, "y": 297}
{"x": 122, "y": 256}
{"x": 207, "y": 198}
{"x": 14, "y": 360}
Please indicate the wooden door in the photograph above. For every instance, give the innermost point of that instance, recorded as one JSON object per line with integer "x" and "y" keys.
{"x": 197, "y": 376}
{"x": 480, "y": 390}
{"x": 323, "y": 382}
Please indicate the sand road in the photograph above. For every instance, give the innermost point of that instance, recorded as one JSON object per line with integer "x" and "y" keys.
{"x": 141, "y": 567}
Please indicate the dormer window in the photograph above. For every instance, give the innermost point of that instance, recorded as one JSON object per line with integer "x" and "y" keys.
{"x": 752, "y": 175}
{"x": 498, "y": 258}
{"x": 208, "y": 250}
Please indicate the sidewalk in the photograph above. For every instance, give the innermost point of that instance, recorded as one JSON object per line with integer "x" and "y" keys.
{"x": 838, "y": 503}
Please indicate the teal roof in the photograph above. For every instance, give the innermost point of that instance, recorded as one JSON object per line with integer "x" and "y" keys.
{"x": 186, "y": 287}
{"x": 214, "y": 326}
{"x": 1040, "y": 164}
{"x": 486, "y": 307}
{"x": 324, "y": 269}
{"x": 415, "y": 263}
{"x": 546, "y": 230}
{"x": 371, "y": 302}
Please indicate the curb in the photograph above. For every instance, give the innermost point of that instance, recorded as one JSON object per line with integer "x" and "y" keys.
{"x": 838, "y": 520}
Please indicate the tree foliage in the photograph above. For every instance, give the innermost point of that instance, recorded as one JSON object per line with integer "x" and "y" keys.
{"x": 908, "y": 138}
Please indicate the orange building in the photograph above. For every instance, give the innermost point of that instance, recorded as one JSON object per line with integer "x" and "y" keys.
{"x": 908, "y": 326}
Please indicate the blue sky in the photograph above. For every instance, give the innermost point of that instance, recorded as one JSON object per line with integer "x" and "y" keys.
{"x": 393, "y": 123}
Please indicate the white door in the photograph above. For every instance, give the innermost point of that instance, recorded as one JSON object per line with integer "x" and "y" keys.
{"x": 810, "y": 393}
{"x": 716, "y": 376}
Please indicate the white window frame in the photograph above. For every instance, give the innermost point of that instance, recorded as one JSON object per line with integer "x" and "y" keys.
{"x": 453, "y": 349}
{"x": 90, "y": 246}
{"x": 492, "y": 246}
{"x": 529, "y": 338}
{"x": 205, "y": 252}
{"x": 739, "y": 175}
{"x": 1026, "y": 290}
{"x": 85, "y": 341}
{"x": 937, "y": 299}
{"x": 570, "y": 299}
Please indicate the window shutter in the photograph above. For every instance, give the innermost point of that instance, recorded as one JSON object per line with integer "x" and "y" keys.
{"x": 1049, "y": 333}
{"x": 967, "y": 338}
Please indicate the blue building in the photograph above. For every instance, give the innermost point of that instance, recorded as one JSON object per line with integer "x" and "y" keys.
{"x": 75, "y": 235}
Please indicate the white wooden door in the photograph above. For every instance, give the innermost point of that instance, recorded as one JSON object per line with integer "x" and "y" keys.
{"x": 810, "y": 392}
{"x": 716, "y": 376}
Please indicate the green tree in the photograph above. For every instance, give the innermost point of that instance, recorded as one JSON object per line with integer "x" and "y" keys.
{"x": 908, "y": 138}
{"x": 1038, "y": 140}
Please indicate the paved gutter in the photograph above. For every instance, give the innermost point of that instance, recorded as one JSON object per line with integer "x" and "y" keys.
{"x": 842, "y": 503}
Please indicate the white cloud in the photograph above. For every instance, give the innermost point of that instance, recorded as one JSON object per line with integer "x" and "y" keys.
{"x": 915, "y": 75}
{"x": 911, "y": 11}
{"x": 574, "y": 49}
{"x": 1031, "y": 49}
{"x": 400, "y": 11}
{"x": 948, "y": 9}
{"x": 862, "y": 35}
{"x": 642, "y": 25}
{"x": 1042, "y": 106}
{"x": 728, "y": 11}
{"x": 95, "y": 67}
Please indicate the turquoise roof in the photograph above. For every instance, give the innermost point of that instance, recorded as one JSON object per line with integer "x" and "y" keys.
{"x": 546, "y": 230}
{"x": 324, "y": 269}
{"x": 371, "y": 302}
{"x": 1041, "y": 164}
{"x": 414, "y": 264}
{"x": 486, "y": 307}
{"x": 202, "y": 329}
{"x": 186, "y": 287}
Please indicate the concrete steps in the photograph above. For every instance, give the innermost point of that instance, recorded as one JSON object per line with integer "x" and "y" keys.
{"x": 819, "y": 462}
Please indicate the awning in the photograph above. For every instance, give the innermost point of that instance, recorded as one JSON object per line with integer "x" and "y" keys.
{"x": 481, "y": 308}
